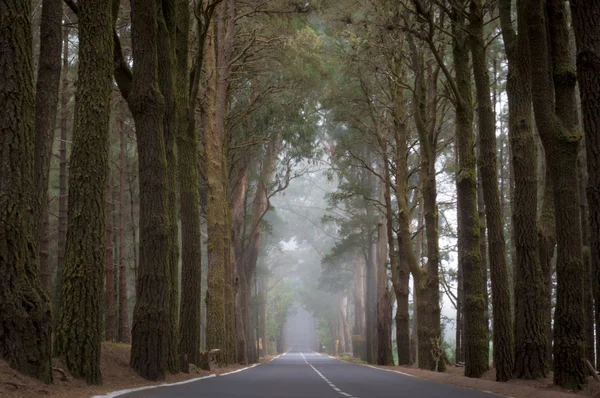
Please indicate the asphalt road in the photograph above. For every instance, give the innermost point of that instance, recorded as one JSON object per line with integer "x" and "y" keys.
{"x": 301, "y": 373}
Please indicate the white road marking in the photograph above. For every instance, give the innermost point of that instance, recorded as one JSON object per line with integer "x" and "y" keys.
{"x": 390, "y": 370}
{"x": 242, "y": 369}
{"x": 326, "y": 380}
{"x": 121, "y": 392}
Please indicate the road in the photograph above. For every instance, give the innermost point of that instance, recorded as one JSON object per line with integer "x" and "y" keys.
{"x": 302, "y": 373}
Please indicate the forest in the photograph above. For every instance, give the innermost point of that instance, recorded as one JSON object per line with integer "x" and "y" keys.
{"x": 182, "y": 176}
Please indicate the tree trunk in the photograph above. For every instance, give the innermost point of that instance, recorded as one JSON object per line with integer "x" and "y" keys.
{"x": 260, "y": 206}
{"x": 124, "y": 335}
{"x": 238, "y": 202}
{"x": 587, "y": 31}
{"x": 25, "y": 323}
{"x": 216, "y": 328}
{"x": 46, "y": 104}
{"x": 502, "y": 319}
{"x": 189, "y": 180}
{"x": 530, "y": 339}
{"x": 151, "y": 321}
{"x": 384, "y": 300}
{"x": 81, "y": 298}
{"x": 63, "y": 176}
{"x": 475, "y": 342}
{"x": 557, "y": 127}
{"x": 166, "y": 80}
{"x": 400, "y": 269}
{"x": 359, "y": 296}
{"x": 110, "y": 324}
{"x": 588, "y": 291}
{"x": 371, "y": 304}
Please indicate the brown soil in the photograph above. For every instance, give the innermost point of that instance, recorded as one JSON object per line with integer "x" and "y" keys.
{"x": 116, "y": 375}
{"x": 514, "y": 388}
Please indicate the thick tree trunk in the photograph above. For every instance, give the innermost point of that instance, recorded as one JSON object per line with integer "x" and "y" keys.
{"x": 530, "y": 338}
{"x": 81, "y": 298}
{"x": 502, "y": 318}
{"x": 110, "y": 321}
{"x": 25, "y": 323}
{"x": 166, "y": 80}
{"x": 586, "y": 24}
{"x": 475, "y": 342}
{"x": 151, "y": 321}
{"x": 62, "y": 178}
{"x": 124, "y": 335}
{"x": 588, "y": 291}
{"x": 557, "y": 127}
{"x": 46, "y": 104}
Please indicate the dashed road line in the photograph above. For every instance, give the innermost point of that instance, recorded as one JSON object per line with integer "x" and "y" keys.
{"x": 335, "y": 388}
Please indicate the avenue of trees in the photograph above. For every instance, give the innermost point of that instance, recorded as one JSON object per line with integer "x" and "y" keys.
{"x": 179, "y": 174}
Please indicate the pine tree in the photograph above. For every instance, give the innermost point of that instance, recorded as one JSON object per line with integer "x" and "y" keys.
{"x": 24, "y": 308}
{"x": 80, "y": 313}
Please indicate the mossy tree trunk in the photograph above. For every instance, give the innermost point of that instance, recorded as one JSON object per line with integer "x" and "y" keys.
{"x": 63, "y": 176}
{"x": 238, "y": 203}
{"x": 151, "y": 321}
{"x": 109, "y": 318}
{"x": 476, "y": 345}
{"x": 557, "y": 124}
{"x": 124, "y": 334}
{"x": 25, "y": 322}
{"x": 79, "y": 329}
{"x": 503, "y": 338}
{"x": 425, "y": 115}
{"x": 216, "y": 329}
{"x": 586, "y": 24}
{"x": 46, "y": 104}
{"x": 530, "y": 336}
{"x": 167, "y": 77}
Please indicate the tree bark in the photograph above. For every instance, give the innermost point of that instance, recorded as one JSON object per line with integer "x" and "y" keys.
{"x": 586, "y": 24}
{"x": 384, "y": 300}
{"x": 46, "y": 104}
{"x": 503, "y": 338}
{"x": 530, "y": 339}
{"x": 63, "y": 176}
{"x": 151, "y": 321}
{"x": 474, "y": 321}
{"x": 559, "y": 134}
{"x": 25, "y": 323}
{"x": 189, "y": 200}
{"x": 166, "y": 80}
{"x": 238, "y": 202}
{"x": 124, "y": 335}
{"x": 110, "y": 321}
{"x": 82, "y": 286}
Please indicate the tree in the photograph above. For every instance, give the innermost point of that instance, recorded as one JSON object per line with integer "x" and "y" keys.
{"x": 530, "y": 337}
{"x": 25, "y": 311}
{"x": 80, "y": 311}
{"x": 503, "y": 331}
{"x": 46, "y": 104}
{"x": 557, "y": 124}
{"x": 587, "y": 38}
{"x": 151, "y": 318}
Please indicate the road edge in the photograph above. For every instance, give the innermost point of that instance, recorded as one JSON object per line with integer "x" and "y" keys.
{"x": 118, "y": 393}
